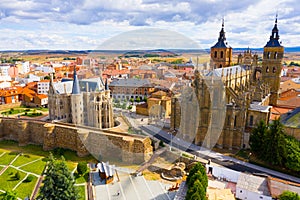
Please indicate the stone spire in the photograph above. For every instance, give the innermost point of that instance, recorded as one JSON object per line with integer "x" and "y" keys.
{"x": 51, "y": 88}
{"x": 222, "y": 39}
{"x": 274, "y": 38}
{"x": 76, "y": 88}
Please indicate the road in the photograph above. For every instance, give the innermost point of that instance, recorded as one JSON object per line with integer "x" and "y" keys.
{"x": 204, "y": 153}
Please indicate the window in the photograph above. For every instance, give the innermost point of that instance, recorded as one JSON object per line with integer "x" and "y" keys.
{"x": 235, "y": 118}
{"x": 222, "y": 54}
{"x": 268, "y": 55}
{"x": 275, "y": 55}
{"x": 267, "y": 69}
{"x": 274, "y": 69}
{"x": 251, "y": 120}
{"x": 221, "y": 66}
{"x": 216, "y": 53}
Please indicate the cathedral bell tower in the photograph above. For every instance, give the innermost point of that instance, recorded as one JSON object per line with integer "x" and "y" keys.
{"x": 221, "y": 52}
{"x": 272, "y": 64}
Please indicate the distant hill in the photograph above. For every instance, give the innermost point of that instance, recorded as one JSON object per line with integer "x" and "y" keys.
{"x": 141, "y": 53}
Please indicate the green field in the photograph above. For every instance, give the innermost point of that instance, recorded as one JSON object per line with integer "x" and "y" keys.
{"x": 7, "y": 158}
{"x": 25, "y": 189}
{"x": 24, "y": 159}
{"x": 36, "y": 167}
{"x": 8, "y": 180}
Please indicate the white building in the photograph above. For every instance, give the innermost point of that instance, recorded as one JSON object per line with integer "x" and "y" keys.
{"x": 252, "y": 187}
{"x": 45, "y": 69}
{"x": 4, "y": 69}
{"x": 43, "y": 86}
{"x": 25, "y": 67}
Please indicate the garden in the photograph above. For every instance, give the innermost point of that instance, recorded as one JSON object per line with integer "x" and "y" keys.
{"x": 22, "y": 167}
{"x": 24, "y": 111}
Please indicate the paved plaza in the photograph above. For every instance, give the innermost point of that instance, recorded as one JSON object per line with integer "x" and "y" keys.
{"x": 131, "y": 187}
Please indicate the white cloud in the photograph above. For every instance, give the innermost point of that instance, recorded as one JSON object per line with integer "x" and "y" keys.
{"x": 84, "y": 24}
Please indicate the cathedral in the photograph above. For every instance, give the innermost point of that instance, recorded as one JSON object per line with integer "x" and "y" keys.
{"x": 231, "y": 98}
{"x": 81, "y": 102}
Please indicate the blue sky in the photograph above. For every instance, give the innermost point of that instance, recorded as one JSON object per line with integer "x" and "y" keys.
{"x": 86, "y": 24}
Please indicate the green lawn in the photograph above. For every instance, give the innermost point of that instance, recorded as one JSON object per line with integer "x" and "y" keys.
{"x": 22, "y": 110}
{"x": 81, "y": 191}
{"x": 36, "y": 167}
{"x": 81, "y": 179}
{"x": 7, "y": 180}
{"x": 7, "y": 158}
{"x": 71, "y": 165}
{"x": 25, "y": 189}
{"x": 25, "y": 158}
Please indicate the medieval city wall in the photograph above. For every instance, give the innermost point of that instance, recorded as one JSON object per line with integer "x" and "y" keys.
{"x": 107, "y": 144}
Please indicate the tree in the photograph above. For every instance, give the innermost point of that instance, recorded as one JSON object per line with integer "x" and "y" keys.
{"x": 196, "y": 191}
{"x": 81, "y": 168}
{"x": 9, "y": 195}
{"x": 293, "y": 154}
{"x": 288, "y": 195}
{"x": 257, "y": 138}
{"x": 275, "y": 144}
{"x": 197, "y": 182}
{"x": 131, "y": 100}
{"x": 58, "y": 183}
{"x": 138, "y": 99}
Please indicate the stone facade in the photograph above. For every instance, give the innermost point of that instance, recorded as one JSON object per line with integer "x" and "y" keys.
{"x": 105, "y": 144}
{"x": 82, "y": 105}
{"x": 230, "y": 99}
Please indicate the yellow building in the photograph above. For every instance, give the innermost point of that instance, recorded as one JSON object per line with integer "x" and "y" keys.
{"x": 157, "y": 104}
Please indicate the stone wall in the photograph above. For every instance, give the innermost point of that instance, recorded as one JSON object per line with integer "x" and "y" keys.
{"x": 10, "y": 105}
{"x": 295, "y": 132}
{"x": 106, "y": 144}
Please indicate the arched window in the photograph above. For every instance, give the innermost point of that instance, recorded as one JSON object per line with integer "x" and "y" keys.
{"x": 216, "y": 53}
{"x": 275, "y": 55}
{"x": 274, "y": 69}
{"x": 268, "y": 55}
{"x": 222, "y": 54}
{"x": 267, "y": 69}
{"x": 98, "y": 99}
{"x": 221, "y": 66}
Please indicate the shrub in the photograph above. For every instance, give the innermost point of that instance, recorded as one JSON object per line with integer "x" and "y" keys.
{"x": 81, "y": 168}
{"x": 29, "y": 178}
{"x": 58, "y": 151}
{"x": 161, "y": 143}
